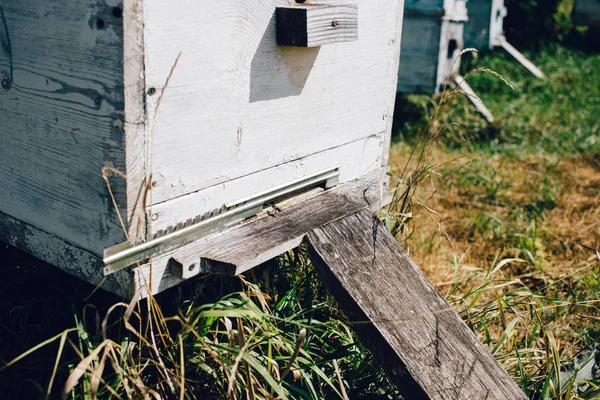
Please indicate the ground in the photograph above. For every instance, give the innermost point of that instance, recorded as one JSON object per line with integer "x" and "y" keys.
{"x": 519, "y": 197}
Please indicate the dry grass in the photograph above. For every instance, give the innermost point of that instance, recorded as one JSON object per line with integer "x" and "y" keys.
{"x": 470, "y": 203}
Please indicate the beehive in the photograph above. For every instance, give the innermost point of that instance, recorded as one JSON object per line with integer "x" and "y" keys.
{"x": 586, "y": 12}
{"x": 486, "y": 23}
{"x": 162, "y": 111}
{"x": 432, "y": 38}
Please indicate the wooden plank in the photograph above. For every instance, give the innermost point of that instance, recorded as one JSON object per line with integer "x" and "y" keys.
{"x": 426, "y": 349}
{"x": 587, "y": 12}
{"x": 502, "y": 42}
{"x": 61, "y": 113}
{"x": 313, "y": 25}
{"x": 62, "y": 254}
{"x": 460, "y": 81}
{"x": 136, "y": 139}
{"x": 256, "y": 105}
{"x": 243, "y": 247}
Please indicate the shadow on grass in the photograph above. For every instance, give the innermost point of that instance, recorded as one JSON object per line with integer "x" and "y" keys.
{"x": 38, "y": 302}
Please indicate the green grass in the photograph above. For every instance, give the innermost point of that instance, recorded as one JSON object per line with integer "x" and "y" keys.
{"x": 515, "y": 231}
{"x": 556, "y": 115}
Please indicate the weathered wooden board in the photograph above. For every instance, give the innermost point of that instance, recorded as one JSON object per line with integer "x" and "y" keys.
{"x": 427, "y": 350}
{"x": 240, "y": 248}
{"x": 61, "y": 102}
{"x": 314, "y": 25}
{"x": 354, "y": 159}
{"x": 136, "y": 135}
{"x": 253, "y": 105}
{"x": 587, "y": 12}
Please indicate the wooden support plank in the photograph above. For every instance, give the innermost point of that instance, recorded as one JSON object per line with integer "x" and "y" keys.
{"x": 460, "y": 81}
{"x": 245, "y": 246}
{"x": 502, "y": 42}
{"x": 425, "y": 347}
{"x": 315, "y": 25}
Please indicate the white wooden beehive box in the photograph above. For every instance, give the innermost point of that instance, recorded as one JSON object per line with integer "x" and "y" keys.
{"x": 189, "y": 110}
{"x": 432, "y": 38}
{"x": 486, "y": 23}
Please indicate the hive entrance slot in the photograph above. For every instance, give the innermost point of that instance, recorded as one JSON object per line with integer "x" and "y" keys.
{"x": 125, "y": 255}
{"x": 452, "y": 46}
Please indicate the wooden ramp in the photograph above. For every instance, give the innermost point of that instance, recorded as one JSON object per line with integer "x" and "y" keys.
{"x": 425, "y": 347}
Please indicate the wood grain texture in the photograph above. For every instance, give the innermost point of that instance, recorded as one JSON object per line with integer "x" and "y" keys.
{"x": 314, "y": 25}
{"x": 587, "y": 12}
{"x": 243, "y": 247}
{"x": 237, "y": 103}
{"x": 61, "y": 107}
{"x": 427, "y": 350}
{"x": 136, "y": 139}
{"x": 64, "y": 255}
{"x": 354, "y": 160}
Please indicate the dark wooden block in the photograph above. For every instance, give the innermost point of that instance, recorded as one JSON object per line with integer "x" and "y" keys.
{"x": 316, "y": 25}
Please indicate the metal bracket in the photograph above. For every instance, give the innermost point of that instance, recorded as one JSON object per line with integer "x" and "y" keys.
{"x": 124, "y": 255}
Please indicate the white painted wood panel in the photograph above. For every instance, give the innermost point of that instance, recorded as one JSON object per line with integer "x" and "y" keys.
{"x": 451, "y": 44}
{"x": 61, "y": 104}
{"x": 136, "y": 139}
{"x": 237, "y": 103}
{"x": 354, "y": 160}
{"x": 499, "y": 12}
